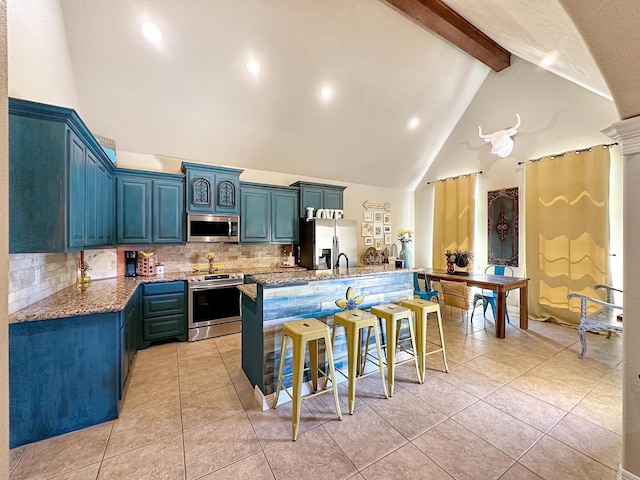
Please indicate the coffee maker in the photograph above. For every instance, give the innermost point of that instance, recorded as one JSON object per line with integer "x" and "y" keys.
{"x": 130, "y": 263}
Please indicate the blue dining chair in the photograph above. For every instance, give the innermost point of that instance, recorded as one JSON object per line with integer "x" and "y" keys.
{"x": 426, "y": 293}
{"x": 489, "y": 297}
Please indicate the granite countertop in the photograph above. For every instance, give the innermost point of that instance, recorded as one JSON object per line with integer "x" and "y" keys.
{"x": 102, "y": 296}
{"x": 278, "y": 269}
{"x": 306, "y": 276}
{"x": 250, "y": 290}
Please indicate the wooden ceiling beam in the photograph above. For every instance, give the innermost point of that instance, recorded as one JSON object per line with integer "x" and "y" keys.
{"x": 441, "y": 19}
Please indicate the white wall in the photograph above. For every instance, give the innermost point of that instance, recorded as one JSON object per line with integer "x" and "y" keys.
{"x": 39, "y": 59}
{"x": 556, "y": 116}
{"x": 402, "y": 206}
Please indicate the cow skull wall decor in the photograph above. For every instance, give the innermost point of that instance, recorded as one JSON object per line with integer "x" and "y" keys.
{"x": 501, "y": 141}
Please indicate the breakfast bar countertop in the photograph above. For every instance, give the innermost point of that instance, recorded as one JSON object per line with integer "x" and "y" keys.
{"x": 306, "y": 276}
{"x": 102, "y": 296}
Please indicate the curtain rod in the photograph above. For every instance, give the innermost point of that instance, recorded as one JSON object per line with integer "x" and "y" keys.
{"x": 453, "y": 178}
{"x": 577, "y": 152}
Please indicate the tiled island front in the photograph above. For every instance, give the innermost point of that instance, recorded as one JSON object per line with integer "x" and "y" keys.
{"x": 270, "y": 300}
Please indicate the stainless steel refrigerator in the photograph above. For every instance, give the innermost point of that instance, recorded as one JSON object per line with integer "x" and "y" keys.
{"x": 322, "y": 241}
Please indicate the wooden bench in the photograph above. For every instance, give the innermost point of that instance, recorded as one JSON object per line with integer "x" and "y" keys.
{"x": 608, "y": 317}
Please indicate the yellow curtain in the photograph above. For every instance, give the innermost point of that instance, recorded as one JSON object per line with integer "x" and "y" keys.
{"x": 453, "y": 216}
{"x": 567, "y": 231}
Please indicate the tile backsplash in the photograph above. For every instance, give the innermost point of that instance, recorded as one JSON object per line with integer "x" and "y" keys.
{"x": 182, "y": 258}
{"x": 35, "y": 276}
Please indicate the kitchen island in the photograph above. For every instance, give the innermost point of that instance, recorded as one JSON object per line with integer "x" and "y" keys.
{"x": 269, "y": 300}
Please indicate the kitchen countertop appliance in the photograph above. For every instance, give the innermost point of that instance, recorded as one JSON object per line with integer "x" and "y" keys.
{"x": 130, "y": 263}
{"x": 323, "y": 241}
{"x": 214, "y": 305}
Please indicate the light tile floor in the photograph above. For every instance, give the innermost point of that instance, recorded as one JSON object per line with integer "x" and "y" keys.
{"x": 515, "y": 409}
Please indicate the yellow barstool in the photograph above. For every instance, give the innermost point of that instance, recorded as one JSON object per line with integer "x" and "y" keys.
{"x": 394, "y": 315}
{"x": 421, "y": 308}
{"x": 353, "y": 321}
{"x": 301, "y": 333}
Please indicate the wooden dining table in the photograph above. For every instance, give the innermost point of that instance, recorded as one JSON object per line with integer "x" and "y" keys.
{"x": 499, "y": 283}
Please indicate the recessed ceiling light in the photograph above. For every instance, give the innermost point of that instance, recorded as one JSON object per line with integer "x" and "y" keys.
{"x": 547, "y": 61}
{"x": 152, "y": 32}
{"x": 253, "y": 66}
{"x": 413, "y": 123}
{"x": 326, "y": 92}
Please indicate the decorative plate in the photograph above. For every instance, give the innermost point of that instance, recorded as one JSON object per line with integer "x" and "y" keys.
{"x": 371, "y": 256}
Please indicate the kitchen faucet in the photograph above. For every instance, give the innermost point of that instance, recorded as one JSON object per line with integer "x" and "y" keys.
{"x": 345, "y": 257}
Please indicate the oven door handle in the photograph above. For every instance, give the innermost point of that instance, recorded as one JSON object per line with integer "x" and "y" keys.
{"x": 213, "y": 287}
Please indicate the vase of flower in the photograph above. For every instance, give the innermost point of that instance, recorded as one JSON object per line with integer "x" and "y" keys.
{"x": 405, "y": 254}
{"x": 405, "y": 237}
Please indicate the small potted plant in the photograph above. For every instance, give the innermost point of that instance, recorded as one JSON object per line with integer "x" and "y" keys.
{"x": 458, "y": 261}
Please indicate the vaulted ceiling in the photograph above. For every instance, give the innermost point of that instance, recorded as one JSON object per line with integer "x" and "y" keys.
{"x": 191, "y": 96}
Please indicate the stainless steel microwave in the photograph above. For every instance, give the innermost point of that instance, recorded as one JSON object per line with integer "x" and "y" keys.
{"x": 213, "y": 228}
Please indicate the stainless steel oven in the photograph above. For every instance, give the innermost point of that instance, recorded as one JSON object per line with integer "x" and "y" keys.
{"x": 214, "y": 305}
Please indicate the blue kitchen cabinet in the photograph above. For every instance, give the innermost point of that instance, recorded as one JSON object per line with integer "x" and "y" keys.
{"x": 319, "y": 195}
{"x": 211, "y": 190}
{"x": 133, "y": 209}
{"x": 268, "y": 214}
{"x": 64, "y": 375}
{"x": 164, "y": 313}
{"x": 168, "y": 211}
{"x": 332, "y": 198}
{"x": 99, "y": 209}
{"x": 149, "y": 208}
{"x": 92, "y": 186}
{"x": 55, "y": 165}
{"x": 69, "y": 373}
{"x": 106, "y": 207}
{"x": 130, "y": 331}
{"x": 255, "y": 214}
{"x": 284, "y": 215}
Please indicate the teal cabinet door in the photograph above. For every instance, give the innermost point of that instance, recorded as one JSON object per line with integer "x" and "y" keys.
{"x": 129, "y": 336}
{"x": 133, "y": 210}
{"x": 105, "y": 210}
{"x": 311, "y": 197}
{"x": 226, "y": 194}
{"x": 333, "y": 199}
{"x": 91, "y": 187}
{"x": 76, "y": 199}
{"x": 255, "y": 215}
{"x": 284, "y": 216}
{"x": 200, "y": 187}
{"x": 168, "y": 211}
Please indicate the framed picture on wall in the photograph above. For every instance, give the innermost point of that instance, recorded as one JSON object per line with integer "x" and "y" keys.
{"x": 377, "y": 217}
{"x": 368, "y": 241}
{"x": 386, "y": 219}
{"x": 367, "y": 217}
{"x": 387, "y": 239}
{"x": 367, "y": 229}
{"x": 377, "y": 230}
{"x": 378, "y": 244}
{"x": 386, "y": 229}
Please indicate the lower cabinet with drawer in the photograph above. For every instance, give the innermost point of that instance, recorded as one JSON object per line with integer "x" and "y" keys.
{"x": 163, "y": 312}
